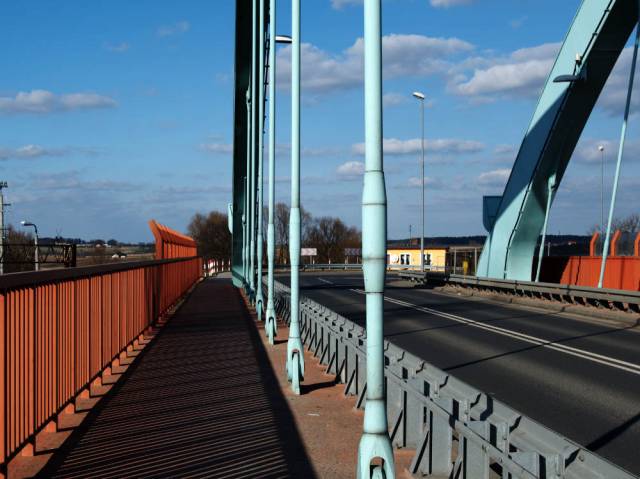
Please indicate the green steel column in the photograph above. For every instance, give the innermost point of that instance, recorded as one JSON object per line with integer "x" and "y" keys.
{"x": 295, "y": 356}
{"x": 375, "y": 442}
{"x": 245, "y": 255}
{"x": 271, "y": 314}
{"x": 550, "y": 192}
{"x": 252, "y": 228}
{"x": 623, "y": 136}
{"x": 259, "y": 297}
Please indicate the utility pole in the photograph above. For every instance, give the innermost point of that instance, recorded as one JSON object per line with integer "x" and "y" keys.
{"x": 3, "y": 184}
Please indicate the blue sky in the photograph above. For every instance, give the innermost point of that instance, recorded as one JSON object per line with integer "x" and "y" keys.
{"x": 115, "y": 112}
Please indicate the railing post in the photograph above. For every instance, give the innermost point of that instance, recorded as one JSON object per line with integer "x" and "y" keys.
{"x": 295, "y": 352}
{"x": 375, "y": 442}
{"x": 271, "y": 314}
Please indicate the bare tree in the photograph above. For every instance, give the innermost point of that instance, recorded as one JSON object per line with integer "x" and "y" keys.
{"x": 331, "y": 236}
{"x": 281, "y": 227}
{"x": 211, "y": 234}
{"x": 19, "y": 255}
{"x": 628, "y": 224}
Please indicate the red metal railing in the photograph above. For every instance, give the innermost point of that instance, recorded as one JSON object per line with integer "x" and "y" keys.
{"x": 60, "y": 329}
{"x": 170, "y": 243}
{"x": 622, "y": 272}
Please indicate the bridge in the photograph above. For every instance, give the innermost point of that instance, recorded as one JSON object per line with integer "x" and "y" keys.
{"x": 158, "y": 369}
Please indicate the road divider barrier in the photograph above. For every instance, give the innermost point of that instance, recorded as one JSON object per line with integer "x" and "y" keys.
{"x": 456, "y": 430}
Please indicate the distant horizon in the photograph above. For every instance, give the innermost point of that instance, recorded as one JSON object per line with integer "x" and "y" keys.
{"x": 147, "y": 130}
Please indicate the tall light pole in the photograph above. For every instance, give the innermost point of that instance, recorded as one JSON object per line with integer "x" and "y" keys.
{"x": 375, "y": 442}
{"x": 420, "y": 97}
{"x": 271, "y": 324}
{"x": 295, "y": 356}
{"x": 601, "y": 150}
{"x": 3, "y": 184}
{"x": 37, "y": 256}
{"x": 259, "y": 297}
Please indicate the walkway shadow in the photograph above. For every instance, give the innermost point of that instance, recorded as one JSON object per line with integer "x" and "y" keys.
{"x": 217, "y": 412}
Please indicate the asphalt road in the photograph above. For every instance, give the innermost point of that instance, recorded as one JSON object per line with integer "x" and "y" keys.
{"x": 578, "y": 377}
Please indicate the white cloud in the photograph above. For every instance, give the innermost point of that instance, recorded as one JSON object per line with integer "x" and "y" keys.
{"x": 495, "y": 178}
{"x": 117, "y": 47}
{"x": 393, "y": 99}
{"x": 449, "y": 3}
{"x": 404, "y": 55}
{"x": 429, "y": 183}
{"x": 587, "y": 150}
{"x": 614, "y": 95}
{"x": 30, "y": 152}
{"x": 351, "y": 170}
{"x": 339, "y": 4}
{"x": 522, "y": 74}
{"x": 43, "y": 101}
{"x": 182, "y": 26}
{"x": 222, "y": 148}
{"x": 393, "y": 146}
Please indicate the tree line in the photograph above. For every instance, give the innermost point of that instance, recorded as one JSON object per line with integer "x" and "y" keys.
{"x": 329, "y": 235}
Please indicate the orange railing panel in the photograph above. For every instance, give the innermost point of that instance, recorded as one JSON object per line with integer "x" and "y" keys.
{"x": 60, "y": 329}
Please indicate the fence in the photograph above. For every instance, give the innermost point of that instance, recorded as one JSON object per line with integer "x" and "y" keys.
{"x": 172, "y": 244}
{"x": 456, "y": 430}
{"x": 60, "y": 329}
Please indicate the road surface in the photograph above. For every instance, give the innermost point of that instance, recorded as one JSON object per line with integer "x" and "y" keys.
{"x": 576, "y": 376}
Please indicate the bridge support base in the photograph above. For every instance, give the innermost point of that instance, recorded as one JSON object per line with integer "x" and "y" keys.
{"x": 375, "y": 447}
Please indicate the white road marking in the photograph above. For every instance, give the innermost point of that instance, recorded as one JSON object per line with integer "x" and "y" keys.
{"x": 325, "y": 280}
{"x": 581, "y": 353}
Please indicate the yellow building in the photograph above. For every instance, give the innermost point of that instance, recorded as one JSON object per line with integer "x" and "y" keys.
{"x": 435, "y": 257}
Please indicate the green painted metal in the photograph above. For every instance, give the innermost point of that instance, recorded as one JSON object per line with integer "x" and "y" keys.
{"x": 260, "y": 131}
{"x": 552, "y": 187}
{"x": 623, "y": 136}
{"x": 247, "y": 196}
{"x": 375, "y": 442}
{"x": 594, "y": 42}
{"x": 242, "y": 69}
{"x": 295, "y": 356}
{"x": 271, "y": 323}
{"x": 252, "y": 191}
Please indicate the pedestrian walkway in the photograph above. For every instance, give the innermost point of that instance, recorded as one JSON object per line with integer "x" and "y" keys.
{"x": 202, "y": 400}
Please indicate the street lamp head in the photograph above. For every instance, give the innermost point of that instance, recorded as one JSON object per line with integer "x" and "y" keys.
{"x": 418, "y": 95}
{"x": 600, "y": 147}
{"x": 283, "y": 39}
{"x": 27, "y": 223}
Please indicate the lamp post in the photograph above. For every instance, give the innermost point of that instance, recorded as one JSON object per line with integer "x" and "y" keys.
{"x": 420, "y": 97}
{"x": 3, "y": 184}
{"x": 35, "y": 228}
{"x": 601, "y": 150}
{"x": 295, "y": 356}
{"x": 271, "y": 325}
{"x": 375, "y": 442}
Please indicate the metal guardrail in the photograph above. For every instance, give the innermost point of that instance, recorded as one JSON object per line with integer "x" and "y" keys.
{"x": 614, "y": 299}
{"x": 358, "y": 267}
{"x": 62, "y": 330}
{"x": 455, "y": 429}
